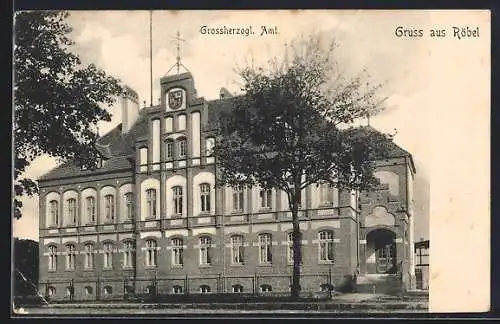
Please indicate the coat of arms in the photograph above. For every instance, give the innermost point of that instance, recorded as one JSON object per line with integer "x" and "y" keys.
{"x": 175, "y": 99}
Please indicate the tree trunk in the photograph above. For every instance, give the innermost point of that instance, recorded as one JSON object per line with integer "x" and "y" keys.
{"x": 297, "y": 241}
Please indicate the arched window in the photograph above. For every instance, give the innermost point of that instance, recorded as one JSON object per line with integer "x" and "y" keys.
{"x": 181, "y": 122}
{"x": 326, "y": 246}
{"x": 177, "y": 200}
{"x": 205, "y": 197}
{"x": 150, "y": 253}
{"x": 237, "y": 249}
{"x": 52, "y": 257}
{"x": 204, "y": 289}
{"x": 181, "y": 148}
{"x": 169, "y": 149}
{"x": 205, "y": 250}
{"x": 177, "y": 289}
{"x": 151, "y": 201}
{"x": 237, "y": 288}
{"x": 108, "y": 255}
{"x": 54, "y": 212}
{"x": 238, "y": 199}
{"x": 71, "y": 205}
{"x": 88, "y": 291}
{"x": 209, "y": 146}
{"x": 265, "y": 243}
{"x": 266, "y": 196}
{"x": 89, "y": 256}
{"x": 51, "y": 291}
{"x": 177, "y": 252}
{"x": 70, "y": 257}
{"x": 290, "y": 248}
{"x": 90, "y": 206}
{"x": 109, "y": 205}
{"x": 108, "y": 290}
{"x": 266, "y": 288}
{"x": 128, "y": 254}
{"x": 129, "y": 205}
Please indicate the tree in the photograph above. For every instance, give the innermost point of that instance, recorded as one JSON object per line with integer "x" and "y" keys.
{"x": 25, "y": 267}
{"x": 293, "y": 127}
{"x": 57, "y": 100}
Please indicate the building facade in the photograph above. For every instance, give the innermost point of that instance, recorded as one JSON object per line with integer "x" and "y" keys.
{"x": 149, "y": 219}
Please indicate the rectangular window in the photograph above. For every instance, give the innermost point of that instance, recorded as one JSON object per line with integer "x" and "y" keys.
{"x": 326, "y": 246}
{"x": 54, "y": 212}
{"x": 108, "y": 256}
{"x": 90, "y": 204}
{"x": 290, "y": 248}
{"x": 237, "y": 249}
{"x": 89, "y": 257}
{"x": 205, "y": 250}
{"x": 128, "y": 255}
{"x": 150, "y": 253}
{"x": 177, "y": 200}
{"x": 265, "y": 243}
{"x": 151, "y": 201}
{"x": 177, "y": 252}
{"x": 182, "y": 148}
{"x": 266, "y": 198}
{"x": 109, "y": 204}
{"x": 129, "y": 205}
{"x": 70, "y": 257}
{"x": 326, "y": 193}
{"x": 238, "y": 199}
{"x": 169, "y": 150}
{"x": 52, "y": 258}
{"x": 205, "y": 197}
{"x": 72, "y": 210}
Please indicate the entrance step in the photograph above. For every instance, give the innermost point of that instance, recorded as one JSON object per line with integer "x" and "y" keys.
{"x": 378, "y": 284}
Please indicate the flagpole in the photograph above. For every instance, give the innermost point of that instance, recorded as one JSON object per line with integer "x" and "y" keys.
{"x": 151, "y": 55}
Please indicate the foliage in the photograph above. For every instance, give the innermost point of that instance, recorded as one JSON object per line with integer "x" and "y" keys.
{"x": 293, "y": 127}
{"x": 57, "y": 101}
{"x": 25, "y": 264}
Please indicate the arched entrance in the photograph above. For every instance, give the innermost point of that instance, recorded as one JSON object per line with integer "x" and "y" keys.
{"x": 382, "y": 256}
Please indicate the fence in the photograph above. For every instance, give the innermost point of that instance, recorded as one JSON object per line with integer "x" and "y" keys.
{"x": 187, "y": 288}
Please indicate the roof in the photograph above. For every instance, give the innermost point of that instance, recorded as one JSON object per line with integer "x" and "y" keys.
{"x": 117, "y": 148}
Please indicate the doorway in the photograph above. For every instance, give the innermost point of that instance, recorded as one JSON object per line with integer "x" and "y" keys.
{"x": 383, "y": 248}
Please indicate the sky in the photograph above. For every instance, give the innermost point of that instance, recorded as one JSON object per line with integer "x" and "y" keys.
{"x": 118, "y": 42}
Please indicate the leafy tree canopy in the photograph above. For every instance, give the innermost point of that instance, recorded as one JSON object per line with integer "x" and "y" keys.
{"x": 58, "y": 101}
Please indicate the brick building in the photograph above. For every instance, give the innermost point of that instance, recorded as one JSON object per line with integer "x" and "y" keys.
{"x": 149, "y": 220}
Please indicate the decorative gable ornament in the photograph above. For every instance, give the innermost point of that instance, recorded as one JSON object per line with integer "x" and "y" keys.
{"x": 175, "y": 99}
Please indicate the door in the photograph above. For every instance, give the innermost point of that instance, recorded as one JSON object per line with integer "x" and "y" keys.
{"x": 385, "y": 257}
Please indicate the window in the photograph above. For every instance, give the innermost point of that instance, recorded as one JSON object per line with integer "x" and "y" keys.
{"x": 169, "y": 125}
{"x": 151, "y": 201}
{"x": 143, "y": 159}
{"x": 89, "y": 257}
{"x": 326, "y": 193}
{"x": 54, "y": 212}
{"x": 108, "y": 255}
{"x": 129, "y": 290}
{"x": 71, "y": 204}
{"x": 326, "y": 246}
{"x": 52, "y": 258}
{"x": 109, "y": 205}
{"x": 210, "y": 144}
{"x": 108, "y": 290}
{"x": 150, "y": 253}
{"x": 90, "y": 206}
{"x": 237, "y": 249}
{"x": 88, "y": 291}
{"x": 128, "y": 254}
{"x": 265, "y": 243}
{"x": 205, "y": 250}
{"x": 204, "y": 289}
{"x": 177, "y": 252}
{"x": 129, "y": 205}
{"x": 177, "y": 289}
{"x": 169, "y": 151}
{"x": 266, "y": 288}
{"x": 181, "y": 122}
{"x": 205, "y": 197}
{"x": 290, "y": 248}
{"x": 237, "y": 288}
{"x": 266, "y": 198}
{"x": 177, "y": 200}
{"x": 51, "y": 291}
{"x": 70, "y": 257}
{"x": 150, "y": 290}
{"x": 181, "y": 148}
{"x": 238, "y": 198}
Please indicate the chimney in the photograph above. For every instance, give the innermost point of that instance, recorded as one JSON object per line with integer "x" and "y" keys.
{"x": 224, "y": 94}
{"x": 130, "y": 108}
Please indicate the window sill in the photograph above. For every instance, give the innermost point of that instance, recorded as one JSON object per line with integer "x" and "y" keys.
{"x": 176, "y": 216}
{"x": 52, "y": 270}
{"x": 177, "y": 266}
{"x": 150, "y": 267}
{"x": 107, "y": 269}
{"x": 265, "y": 209}
{"x": 326, "y": 262}
{"x": 128, "y": 268}
{"x": 265, "y": 264}
{"x": 205, "y": 213}
{"x": 237, "y": 265}
{"x": 89, "y": 269}
{"x": 237, "y": 212}
{"x": 326, "y": 205}
{"x": 69, "y": 270}
{"x": 205, "y": 265}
